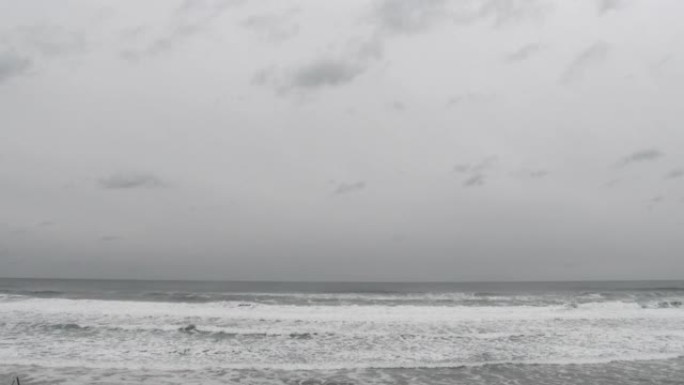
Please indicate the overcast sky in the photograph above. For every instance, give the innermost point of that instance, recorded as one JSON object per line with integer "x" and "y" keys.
{"x": 342, "y": 140}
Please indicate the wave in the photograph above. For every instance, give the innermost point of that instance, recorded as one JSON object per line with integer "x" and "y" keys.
{"x": 295, "y": 332}
{"x": 249, "y": 301}
{"x": 652, "y": 289}
{"x": 69, "y": 326}
{"x": 414, "y": 313}
{"x": 672, "y": 303}
{"x": 172, "y": 331}
{"x": 110, "y": 365}
{"x": 195, "y": 336}
{"x": 257, "y": 297}
{"x": 33, "y": 293}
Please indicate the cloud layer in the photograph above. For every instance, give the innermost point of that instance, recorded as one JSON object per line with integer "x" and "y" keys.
{"x": 131, "y": 181}
{"x": 382, "y": 140}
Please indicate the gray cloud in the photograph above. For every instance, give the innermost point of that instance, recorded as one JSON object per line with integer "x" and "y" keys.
{"x": 162, "y": 44}
{"x": 586, "y": 59}
{"x": 408, "y": 16}
{"x": 474, "y": 180}
{"x": 319, "y": 74}
{"x": 533, "y": 174}
{"x": 609, "y": 5}
{"x": 12, "y": 65}
{"x": 508, "y": 11}
{"x": 641, "y": 156}
{"x": 36, "y": 42}
{"x": 675, "y": 174}
{"x": 346, "y": 188}
{"x": 188, "y": 20}
{"x": 653, "y": 202}
{"x": 475, "y": 172}
{"x": 405, "y": 16}
{"x": 325, "y": 73}
{"x": 50, "y": 40}
{"x": 131, "y": 181}
{"x": 524, "y": 52}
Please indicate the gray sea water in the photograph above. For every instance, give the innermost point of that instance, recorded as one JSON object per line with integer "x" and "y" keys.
{"x": 173, "y": 332}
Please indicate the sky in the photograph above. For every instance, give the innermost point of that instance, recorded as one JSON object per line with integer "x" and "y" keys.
{"x": 369, "y": 140}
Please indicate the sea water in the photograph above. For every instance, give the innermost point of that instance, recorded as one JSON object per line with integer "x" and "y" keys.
{"x": 175, "y": 332}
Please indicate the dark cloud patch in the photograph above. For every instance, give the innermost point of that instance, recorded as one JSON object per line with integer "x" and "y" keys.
{"x": 346, "y": 188}
{"x": 36, "y": 42}
{"x": 605, "y": 6}
{"x": 475, "y": 173}
{"x": 403, "y": 17}
{"x": 325, "y": 73}
{"x": 407, "y": 16}
{"x": 474, "y": 180}
{"x": 646, "y": 155}
{"x": 523, "y": 53}
{"x": 12, "y": 65}
{"x": 586, "y": 59}
{"x": 675, "y": 174}
{"x": 131, "y": 181}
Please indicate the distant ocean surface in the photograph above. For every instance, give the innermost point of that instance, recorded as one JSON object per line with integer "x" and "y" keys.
{"x": 173, "y": 332}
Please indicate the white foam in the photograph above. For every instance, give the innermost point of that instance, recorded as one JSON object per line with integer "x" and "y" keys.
{"x": 125, "y": 334}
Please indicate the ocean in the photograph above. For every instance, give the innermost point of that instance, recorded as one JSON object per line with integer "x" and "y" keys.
{"x": 178, "y": 332}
